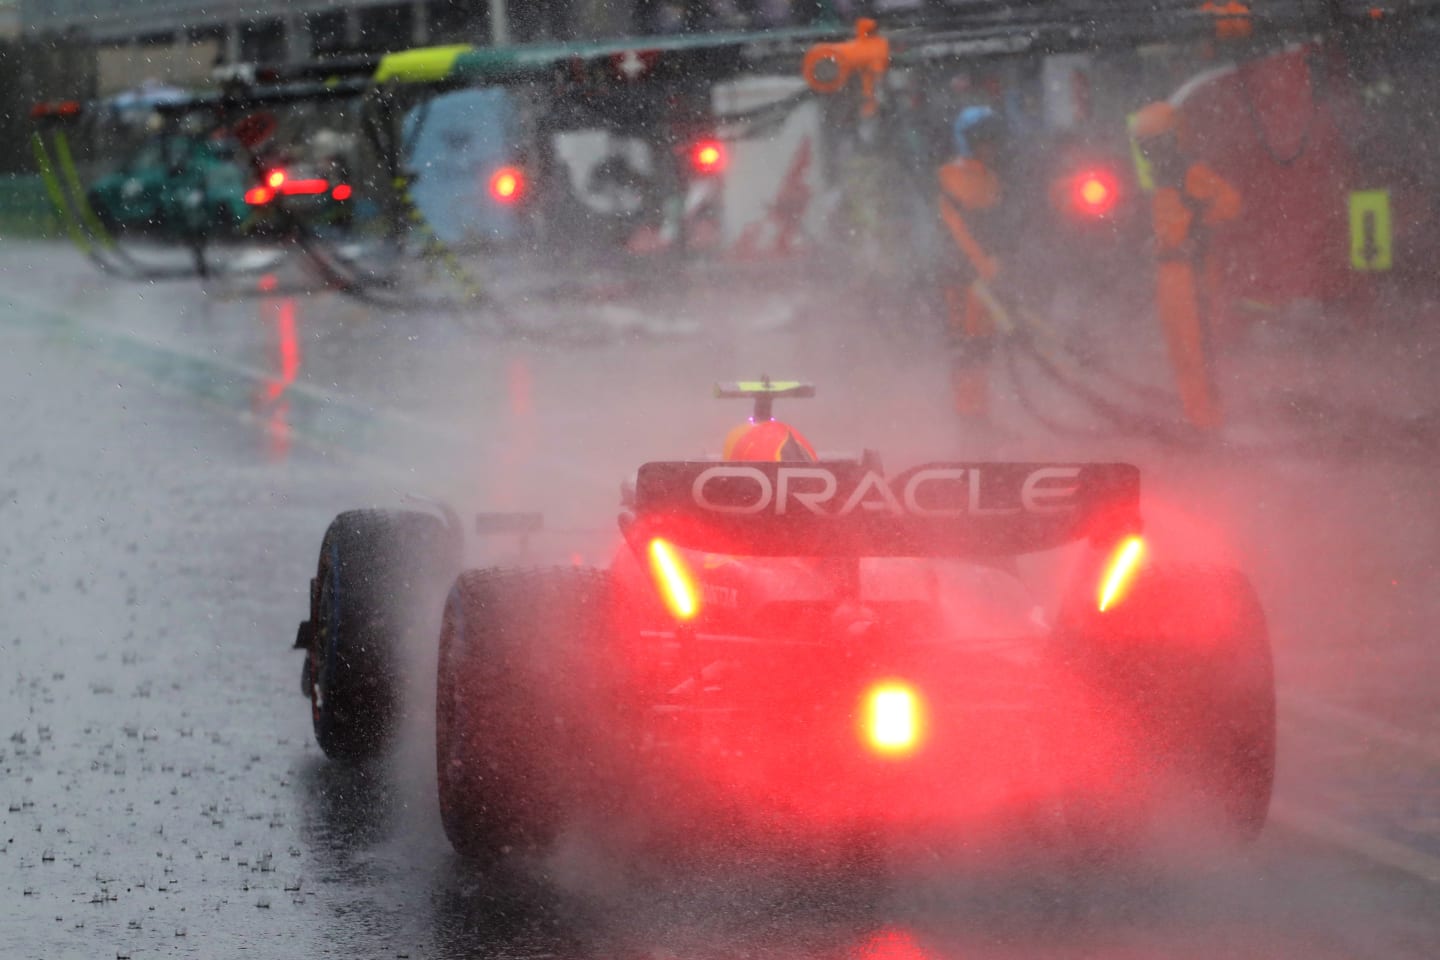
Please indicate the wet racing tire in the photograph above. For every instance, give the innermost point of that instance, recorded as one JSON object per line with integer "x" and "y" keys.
{"x": 1184, "y": 662}
{"x": 520, "y": 708}
{"x": 377, "y": 567}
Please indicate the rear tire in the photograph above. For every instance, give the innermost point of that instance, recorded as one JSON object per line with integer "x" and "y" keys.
{"x": 1185, "y": 658}
{"x": 374, "y": 568}
{"x": 523, "y": 715}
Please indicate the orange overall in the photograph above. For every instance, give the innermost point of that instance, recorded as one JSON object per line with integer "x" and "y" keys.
{"x": 1178, "y": 290}
{"x": 969, "y": 191}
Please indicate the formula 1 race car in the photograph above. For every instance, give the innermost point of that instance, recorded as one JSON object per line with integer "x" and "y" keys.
{"x": 789, "y": 646}
{"x": 182, "y": 183}
{"x": 174, "y": 182}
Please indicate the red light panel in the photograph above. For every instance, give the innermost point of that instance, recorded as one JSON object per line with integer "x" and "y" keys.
{"x": 312, "y": 187}
{"x": 1094, "y": 193}
{"x": 892, "y": 718}
{"x": 259, "y": 196}
{"x": 507, "y": 184}
{"x": 708, "y": 157}
{"x": 342, "y": 191}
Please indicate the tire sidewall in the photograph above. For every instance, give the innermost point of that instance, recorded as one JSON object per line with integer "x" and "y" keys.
{"x": 513, "y": 732}
{"x": 374, "y": 571}
{"x": 1199, "y": 702}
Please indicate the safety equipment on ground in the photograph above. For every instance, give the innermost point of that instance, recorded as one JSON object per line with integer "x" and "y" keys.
{"x": 768, "y": 441}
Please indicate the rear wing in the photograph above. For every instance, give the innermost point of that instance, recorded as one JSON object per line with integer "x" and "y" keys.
{"x": 841, "y": 508}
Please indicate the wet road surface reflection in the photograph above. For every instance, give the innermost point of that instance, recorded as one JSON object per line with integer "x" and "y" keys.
{"x": 386, "y": 878}
{"x": 272, "y": 404}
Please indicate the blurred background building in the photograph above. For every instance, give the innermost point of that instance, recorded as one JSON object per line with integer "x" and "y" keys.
{"x": 180, "y": 41}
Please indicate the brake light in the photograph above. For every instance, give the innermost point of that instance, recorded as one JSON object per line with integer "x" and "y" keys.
{"x": 342, "y": 191}
{"x": 1120, "y": 572}
{"x": 275, "y": 178}
{"x": 309, "y": 188}
{"x": 708, "y": 157}
{"x": 891, "y": 944}
{"x": 892, "y": 718}
{"x": 259, "y": 196}
{"x": 62, "y": 108}
{"x": 1094, "y": 192}
{"x": 674, "y": 581}
{"x": 507, "y": 184}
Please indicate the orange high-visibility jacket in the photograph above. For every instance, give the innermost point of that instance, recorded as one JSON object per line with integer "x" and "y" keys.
{"x": 969, "y": 191}
{"x": 1207, "y": 193}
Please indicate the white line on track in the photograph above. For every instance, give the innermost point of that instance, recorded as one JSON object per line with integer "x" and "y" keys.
{"x": 1356, "y": 721}
{"x": 1369, "y": 846}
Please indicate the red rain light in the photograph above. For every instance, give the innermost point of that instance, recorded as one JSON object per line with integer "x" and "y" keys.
{"x": 61, "y": 108}
{"x": 674, "y": 581}
{"x": 311, "y": 187}
{"x": 708, "y": 157}
{"x": 507, "y": 184}
{"x": 891, "y": 944}
{"x": 259, "y": 196}
{"x": 1094, "y": 193}
{"x": 342, "y": 191}
{"x": 892, "y": 718}
{"x": 1120, "y": 572}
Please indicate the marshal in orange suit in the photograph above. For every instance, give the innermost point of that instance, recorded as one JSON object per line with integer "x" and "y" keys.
{"x": 1189, "y": 200}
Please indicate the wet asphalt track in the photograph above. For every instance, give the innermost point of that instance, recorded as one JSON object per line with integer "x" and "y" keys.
{"x": 169, "y": 460}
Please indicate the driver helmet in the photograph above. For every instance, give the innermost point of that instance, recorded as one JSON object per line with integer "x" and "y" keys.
{"x": 768, "y": 441}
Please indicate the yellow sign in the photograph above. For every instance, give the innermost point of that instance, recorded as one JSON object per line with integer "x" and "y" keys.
{"x": 1370, "y": 241}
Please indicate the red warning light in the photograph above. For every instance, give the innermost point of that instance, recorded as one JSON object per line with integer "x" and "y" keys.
{"x": 259, "y": 196}
{"x": 892, "y": 718}
{"x": 342, "y": 191}
{"x": 708, "y": 157}
{"x": 310, "y": 186}
{"x": 62, "y": 108}
{"x": 1094, "y": 193}
{"x": 507, "y": 184}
